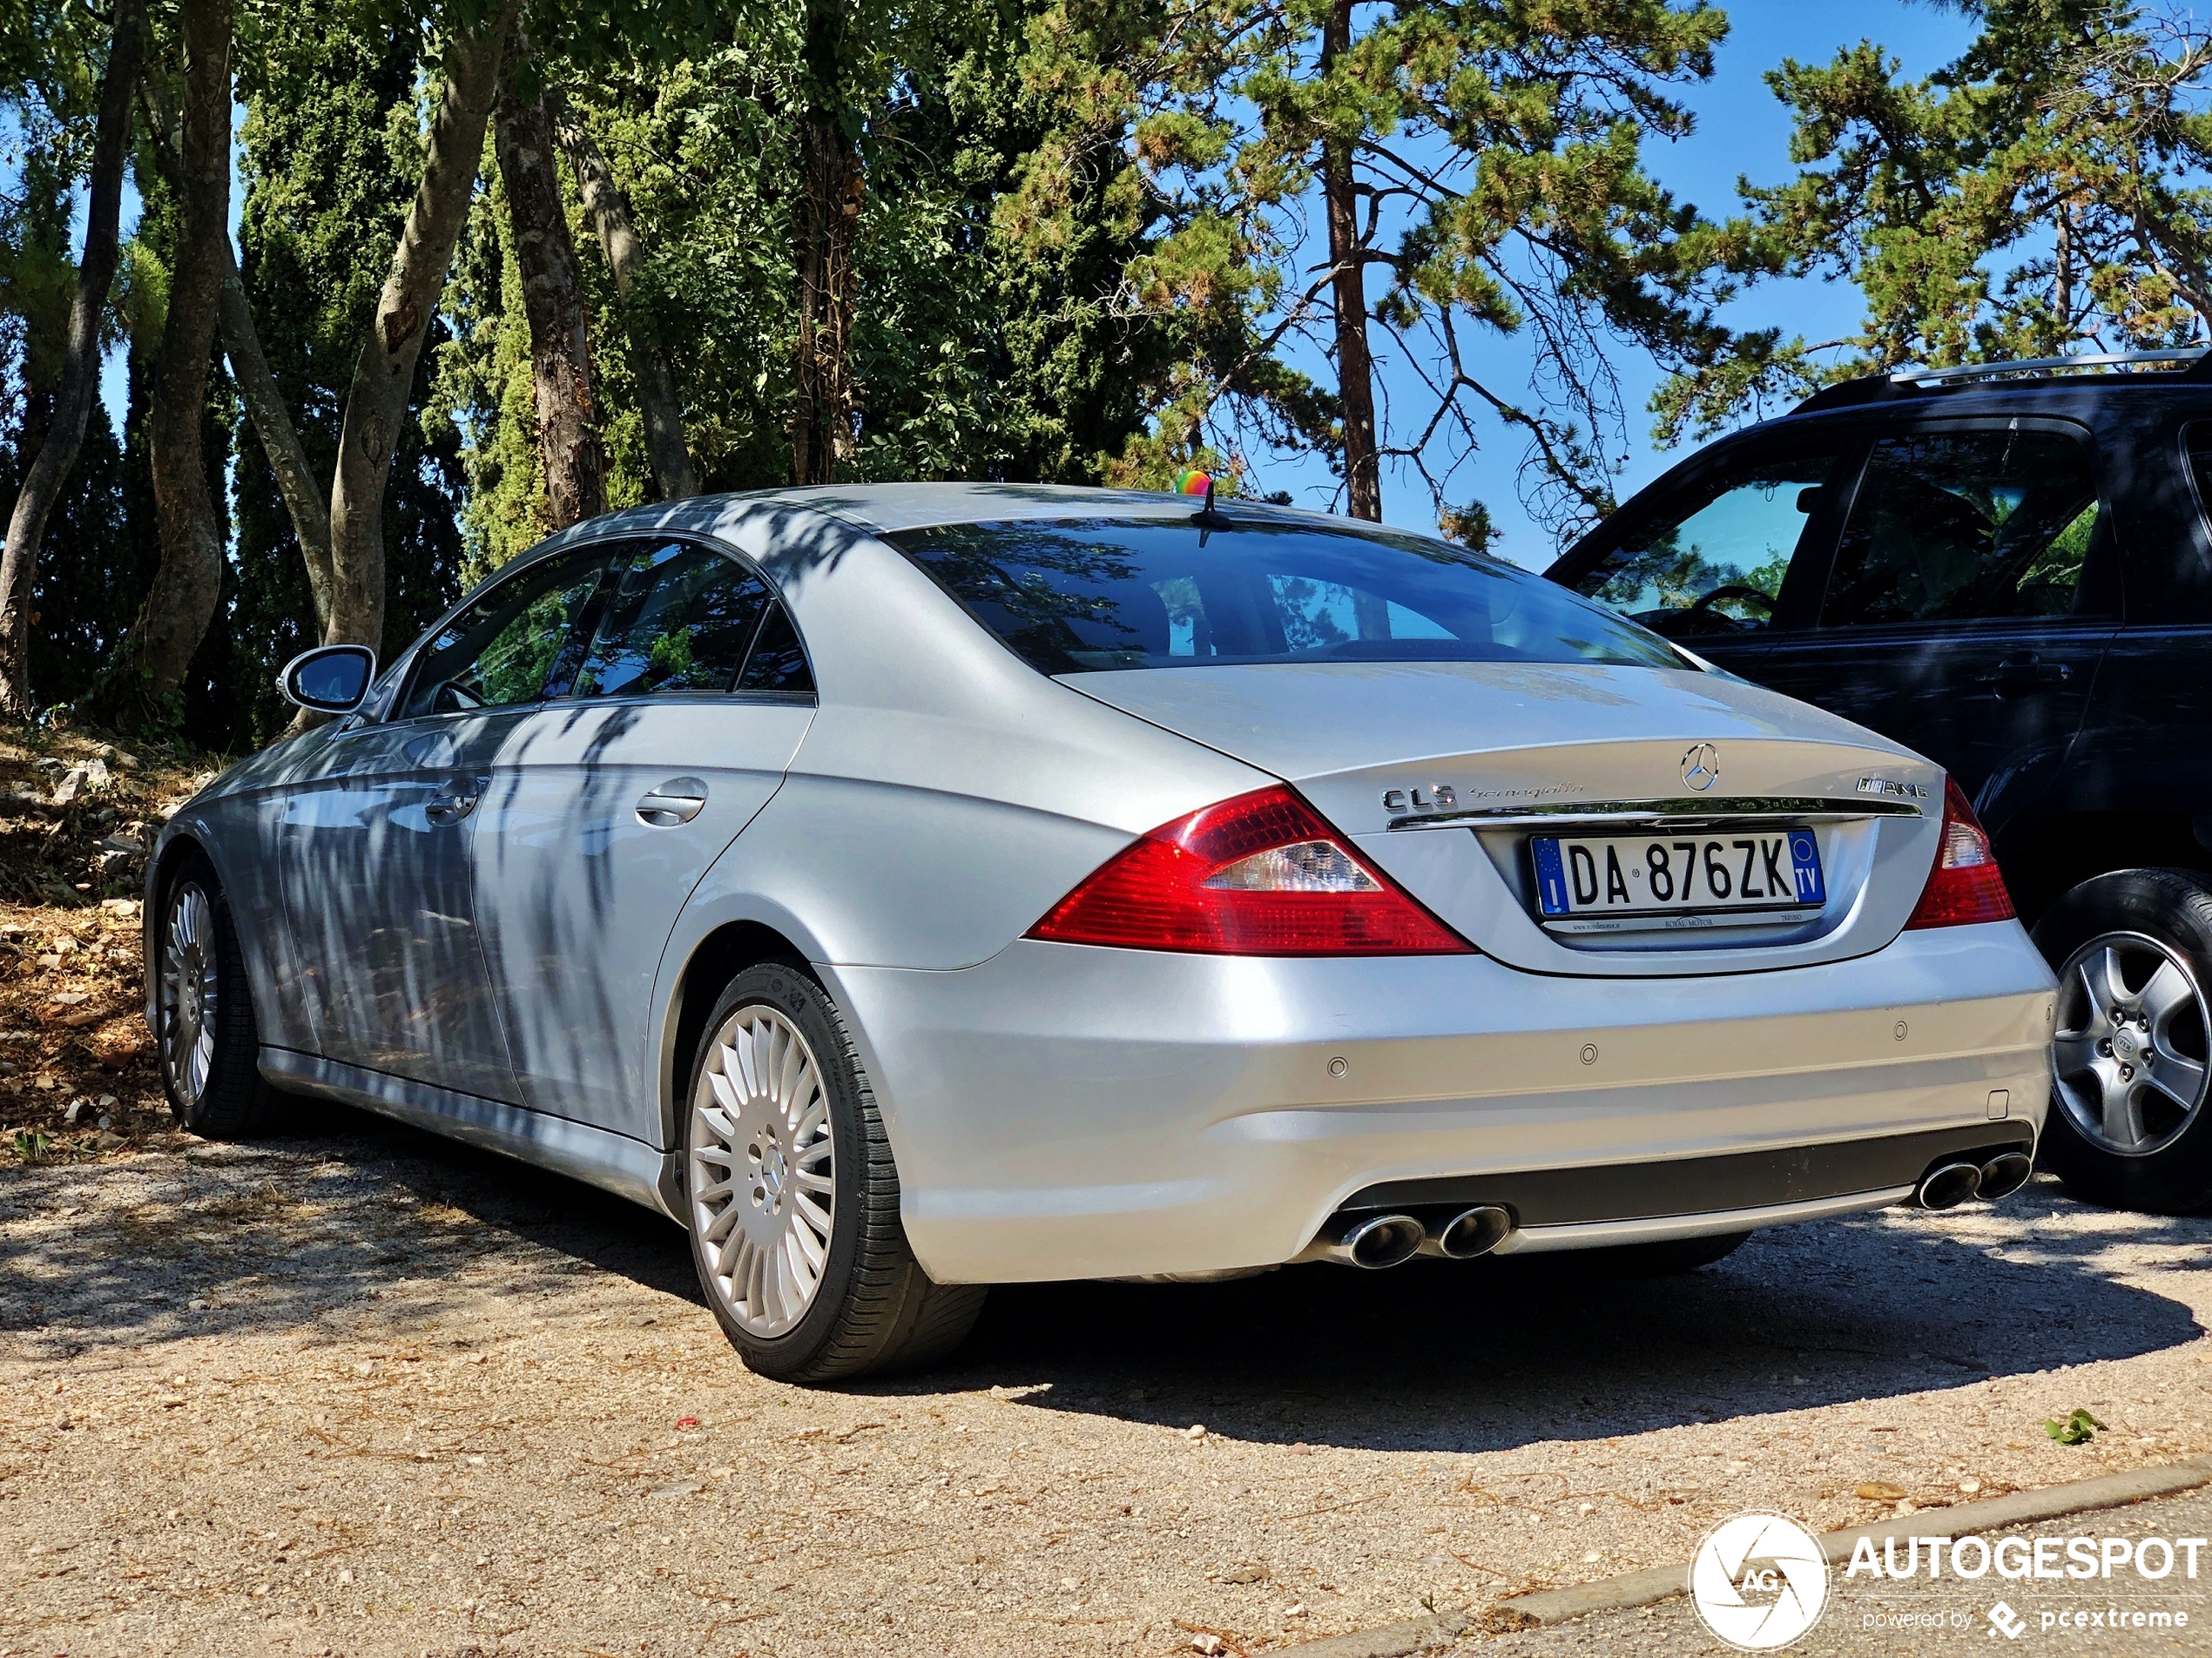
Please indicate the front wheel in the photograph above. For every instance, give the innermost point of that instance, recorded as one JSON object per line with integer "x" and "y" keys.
{"x": 204, "y": 1013}
{"x": 792, "y": 1198}
{"x": 2131, "y": 1068}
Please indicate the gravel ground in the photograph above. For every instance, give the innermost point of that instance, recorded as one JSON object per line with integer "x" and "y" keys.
{"x": 1864, "y": 1619}
{"x": 363, "y": 1391}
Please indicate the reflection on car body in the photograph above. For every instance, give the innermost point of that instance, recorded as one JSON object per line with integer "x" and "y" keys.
{"x": 918, "y": 888}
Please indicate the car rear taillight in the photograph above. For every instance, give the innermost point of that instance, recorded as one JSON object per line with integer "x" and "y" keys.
{"x": 1964, "y": 886}
{"x": 1262, "y": 874}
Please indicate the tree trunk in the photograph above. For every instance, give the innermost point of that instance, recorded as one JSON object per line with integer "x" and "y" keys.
{"x": 610, "y": 211}
{"x": 829, "y": 221}
{"x": 305, "y": 499}
{"x": 42, "y": 486}
{"x": 568, "y": 428}
{"x": 151, "y": 660}
{"x": 1348, "y": 291}
{"x": 384, "y": 374}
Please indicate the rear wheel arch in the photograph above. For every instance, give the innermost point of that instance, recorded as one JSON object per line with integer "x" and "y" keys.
{"x": 714, "y": 961}
{"x": 2046, "y": 859}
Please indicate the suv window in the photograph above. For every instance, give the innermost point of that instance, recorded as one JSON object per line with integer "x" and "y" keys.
{"x": 679, "y": 617}
{"x": 1712, "y": 559}
{"x": 1965, "y": 525}
{"x": 499, "y": 649}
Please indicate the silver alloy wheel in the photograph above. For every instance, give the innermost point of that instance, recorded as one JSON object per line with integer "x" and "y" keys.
{"x": 188, "y": 992}
{"x": 2130, "y": 1053}
{"x": 762, "y": 1180}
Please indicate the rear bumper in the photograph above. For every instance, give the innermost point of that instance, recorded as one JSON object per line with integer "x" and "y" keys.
{"x": 1061, "y": 1111}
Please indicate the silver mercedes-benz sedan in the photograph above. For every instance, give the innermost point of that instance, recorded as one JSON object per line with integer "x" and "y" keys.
{"x": 913, "y": 888}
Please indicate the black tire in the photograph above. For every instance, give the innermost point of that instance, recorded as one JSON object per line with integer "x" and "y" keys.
{"x": 2139, "y": 913}
{"x": 1667, "y": 1258}
{"x": 872, "y": 1308}
{"x": 218, "y": 1093}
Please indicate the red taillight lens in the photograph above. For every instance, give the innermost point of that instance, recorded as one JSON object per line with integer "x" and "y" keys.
{"x": 1262, "y": 875}
{"x": 1964, "y": 886}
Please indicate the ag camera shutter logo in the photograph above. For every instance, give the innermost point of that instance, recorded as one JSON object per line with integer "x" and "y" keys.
{"x": 1758, "y": 1582}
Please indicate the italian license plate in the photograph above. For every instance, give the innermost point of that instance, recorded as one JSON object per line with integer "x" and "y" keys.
{"x": 1677, "y": 874}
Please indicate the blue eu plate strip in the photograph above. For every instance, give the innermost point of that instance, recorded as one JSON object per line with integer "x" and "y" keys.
{"x": 1551, "y": 878}
{"x": 1805, "y": 868}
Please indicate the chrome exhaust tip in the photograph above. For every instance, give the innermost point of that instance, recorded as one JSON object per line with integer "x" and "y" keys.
{"x": 1949, "y": 1186}
{"x": 1470, "y": 1233}
{"x": 1375, "y": 1241}
{"x": 2003, "y": 1176}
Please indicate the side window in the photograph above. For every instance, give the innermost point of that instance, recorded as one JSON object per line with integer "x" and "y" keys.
{"x": 1712, "y": 561}
{"x": 501, "y": 649}
{"x": 679, "y": 618}
{"x": 1968, "y": 525}
{"x": 777, "y": 662}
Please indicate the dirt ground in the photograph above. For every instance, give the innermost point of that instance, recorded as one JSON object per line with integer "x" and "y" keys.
{"x": 360, "y": 1390}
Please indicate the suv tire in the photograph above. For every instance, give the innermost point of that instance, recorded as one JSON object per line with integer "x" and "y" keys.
{"x": 792, "y": 1199}
{"x": 2128, "y": 1127}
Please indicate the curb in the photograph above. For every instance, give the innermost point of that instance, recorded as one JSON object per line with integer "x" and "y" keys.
{"x": 1659, "y": 1582}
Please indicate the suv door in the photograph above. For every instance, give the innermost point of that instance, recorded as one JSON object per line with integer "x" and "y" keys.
{"x": 374, "y": 840}
{"x": 610, "y": 802}
{"x": 1727, "y": 556}
{"x": 1971, "y": 595}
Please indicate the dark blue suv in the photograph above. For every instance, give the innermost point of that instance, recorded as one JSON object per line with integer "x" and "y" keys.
{"x": 2008, "y": 568}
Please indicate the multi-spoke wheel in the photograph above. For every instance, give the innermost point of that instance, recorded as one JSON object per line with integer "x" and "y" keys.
{"x": 792, "y": 1198}
{"x": 2132, "y": 1060}
{"x": 764, "y": 1194}
{"x": 203, "y": 1012}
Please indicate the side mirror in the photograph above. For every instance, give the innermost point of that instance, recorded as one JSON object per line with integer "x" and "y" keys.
{"x": 331, "y": 679}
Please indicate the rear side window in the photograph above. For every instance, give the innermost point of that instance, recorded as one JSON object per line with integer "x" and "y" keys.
{"x": 679, "y": 618}
{"x": 1968, "y": 525}
{"x": 1095, "y": 595}
{"x": 501, "y": 649}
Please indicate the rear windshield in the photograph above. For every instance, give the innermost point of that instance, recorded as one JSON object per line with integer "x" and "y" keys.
{"x": 1088, "y": 596}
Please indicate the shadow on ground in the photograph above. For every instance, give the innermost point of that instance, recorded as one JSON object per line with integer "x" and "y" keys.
{"x": 1431, "y": 1355}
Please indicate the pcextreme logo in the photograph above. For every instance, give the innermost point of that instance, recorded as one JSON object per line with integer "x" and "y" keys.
{"x": 1758, "y": 1582}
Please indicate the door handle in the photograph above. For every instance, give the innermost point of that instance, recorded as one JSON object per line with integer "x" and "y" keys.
{"x": 454, "y": 801}
{"x": 2022, "y": 676}
{"x": 677, "y": 800}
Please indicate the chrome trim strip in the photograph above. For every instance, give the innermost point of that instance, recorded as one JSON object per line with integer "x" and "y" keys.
{"x": 1590, "y": 1235}
{"x": 614, "y": 1163}
{"x": 1776, "y": 810}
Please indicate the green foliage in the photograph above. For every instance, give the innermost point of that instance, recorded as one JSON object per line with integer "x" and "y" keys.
{"x": 2044, "y": 192}
{"x": 1496, "y": 154}
{"x": 331, "y": 153}
{"x": 2079, "y": 1428}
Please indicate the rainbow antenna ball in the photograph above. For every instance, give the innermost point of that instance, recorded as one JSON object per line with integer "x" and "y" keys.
{"x": 1194, "y": 483}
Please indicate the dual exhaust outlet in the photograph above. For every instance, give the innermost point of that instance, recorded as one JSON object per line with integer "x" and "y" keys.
{"x": 1381, "y": 1238}
{"x": 1376, "y": 1239}
{"x": 1947, "y": 1185}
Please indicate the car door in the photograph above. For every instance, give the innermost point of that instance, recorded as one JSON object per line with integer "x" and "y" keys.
{"x": 1971, "y": 596}
{"x": 609, "y": 803}
{"x": 1726, "y": 556}
{"x": 374, "y": 836}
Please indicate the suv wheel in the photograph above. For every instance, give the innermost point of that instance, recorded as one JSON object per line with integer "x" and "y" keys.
{"x": 203, "y": 1012}
{"x": 792, "y": 1199}
{"x": 2132, "y": 1061}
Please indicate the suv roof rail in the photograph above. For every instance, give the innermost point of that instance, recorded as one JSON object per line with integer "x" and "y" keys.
{"x": 1906, "y": 382}
{"x": 2192, "y": 354}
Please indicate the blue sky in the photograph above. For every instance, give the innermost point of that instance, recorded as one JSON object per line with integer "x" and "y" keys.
{"x": 1742, "y": 129}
